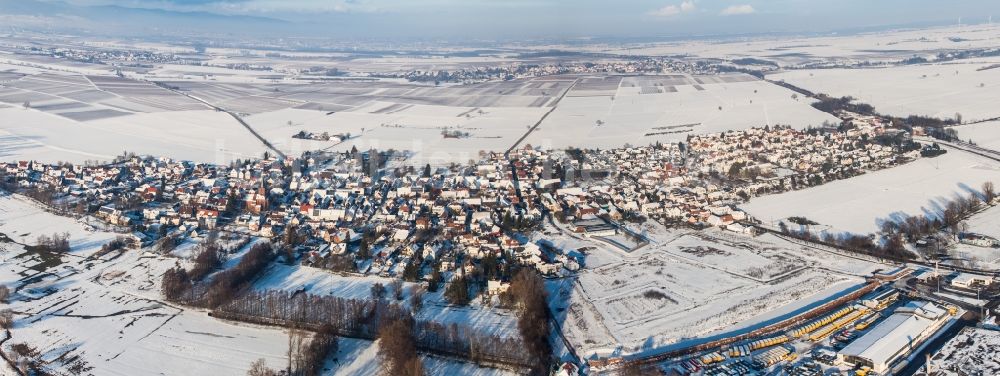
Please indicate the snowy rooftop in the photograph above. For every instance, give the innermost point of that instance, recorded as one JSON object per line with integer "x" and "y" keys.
{"x": 887, "y": 340}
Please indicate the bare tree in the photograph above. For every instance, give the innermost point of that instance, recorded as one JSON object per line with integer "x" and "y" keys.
{"x": 296, "y": 342}
{"x": 6, "y": 318}
{"x": 398, "y": 349}
{"x": 397, "y": 288}
{"x": 378, "y": 291}
{"x": 416, "y": 298}
{"x": 259, "y": 368}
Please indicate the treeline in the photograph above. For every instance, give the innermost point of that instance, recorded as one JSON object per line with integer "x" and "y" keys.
{"x": 179, "y": 285}
{"x": 528, "y": 293}
{"x": 897, "y": 233}
{"x": 227, "y": 283}
{"x": 831, "y": 105}
{"x": 892, "y": 249}
{"x": 58, "y": 243}
{"x": 951, "y": 216}
{"x": 362, "y": 318}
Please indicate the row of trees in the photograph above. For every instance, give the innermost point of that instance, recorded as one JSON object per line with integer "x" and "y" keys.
{"x": 897, "y": 233}
{"x": 364, "y": 318}
{"x": 58, "y": 243}
{"x": 530, "y": 299}
{"x": 206, "y": 261}
{"x": 950, "y": 217}
{"x": 398, "y": 349}
{"x": 226, "y": 284}
{"x": 179, "y": 285}
{"x": 892, "y": 249}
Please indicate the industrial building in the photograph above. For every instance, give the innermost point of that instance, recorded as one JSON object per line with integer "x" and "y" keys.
{"x": 895, "y": 337}
{"x": 966, "y": 280}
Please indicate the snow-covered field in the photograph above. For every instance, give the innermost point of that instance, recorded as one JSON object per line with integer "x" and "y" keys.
{"x": 416, "y": 128}
{"x": 78, "y": 118}
{"x": 860, "y": 204}
{"x": 986, "y": 134}
{"x": 972, "y": 352}
{"x": 694, "y": 287}
{"x": 204, "y": 136}
{"x": 103, "y": 313}
{"x": 646, "y": 109}
{"x": 360, "y": 357}
{"x": 892, "y": 45}
{"x": 937, "y": 90}
{"x": 321, "y": 282}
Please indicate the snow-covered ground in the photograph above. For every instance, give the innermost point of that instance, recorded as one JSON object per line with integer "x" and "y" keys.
{"x": 203, "y": 136}
{"x": 860, "y": 204}
{"x": 985, "y": 134}
{"x": 889, "y": 46}
{"x": 416, "y": 128}
{"x": 938, "y": 90}
{"x": 696, "y": 286}
{"x": 104, "y": 314}
{"x": 360, "y": 357}
{"x": 986, "y": 223}
{"x": 642, "y": 111}
{"x": 972, "y": 352}
{"x": 486, "y": 318}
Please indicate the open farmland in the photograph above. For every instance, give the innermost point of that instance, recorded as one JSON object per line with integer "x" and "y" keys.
{"x": 862, "y": 203}
{"x": 108, "y": 115}
{"x": 986, "y": 134}
{"x": 936, "y": 90}
{"x": 697, "y": 286}
{"x": 643, "y": 110}
{"x": 203, "y": 136}
{"x": 882, "y": 46}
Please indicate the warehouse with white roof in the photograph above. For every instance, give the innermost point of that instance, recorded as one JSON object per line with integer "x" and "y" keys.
{"x": 895, "y": 337}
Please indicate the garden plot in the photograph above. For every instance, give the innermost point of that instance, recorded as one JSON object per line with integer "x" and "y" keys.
{"x": 632, "y": 117}
{"x": 23, "y": 221}
{"x": 862, "y": 203}
{"x": 937, "y": 90}
{"x": 101, "y": 314}
{"x": 653, "y": 299}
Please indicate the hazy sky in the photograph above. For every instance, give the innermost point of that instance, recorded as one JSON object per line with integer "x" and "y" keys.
{"x": 571, "y": 18}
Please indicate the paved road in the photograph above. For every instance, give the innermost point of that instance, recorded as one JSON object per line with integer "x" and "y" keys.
{"x": 540, "y": 120}
{"x": 235, "y": 116}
